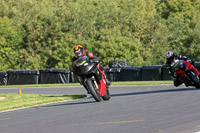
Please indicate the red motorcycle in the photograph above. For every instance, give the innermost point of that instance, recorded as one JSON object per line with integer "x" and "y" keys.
{"x": 186, "y": 72}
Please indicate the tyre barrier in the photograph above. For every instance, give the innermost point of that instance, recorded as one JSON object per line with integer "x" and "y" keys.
{"x": 118, "y": 64}
{"x": 3, "y": 78}
{"x": 54, "y": 76}
{"x": 113, "y": 74}
{"x": 73, "y": 77}
{"x": 165, "y": 73}
{"x": 197, "y": 66}
{"x": 20, "y": 77}
{"x": 62, "y": 76}
{"x": 131, "y": 74}
{"x": 151, "y": 73}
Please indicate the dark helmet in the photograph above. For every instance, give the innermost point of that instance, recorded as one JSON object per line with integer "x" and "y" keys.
{"x": 169, "y": 54}
{"x": 79, "y": 51}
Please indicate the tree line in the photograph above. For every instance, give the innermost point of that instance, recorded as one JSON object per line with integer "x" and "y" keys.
{"x": 38, "y": 34}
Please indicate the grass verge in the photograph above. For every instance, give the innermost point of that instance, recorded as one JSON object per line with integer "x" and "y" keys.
{"x": 14, "y": 101}
{"x": 77, "y": 84}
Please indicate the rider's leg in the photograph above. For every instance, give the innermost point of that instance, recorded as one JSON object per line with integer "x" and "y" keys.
{"x": 177, "y": 82}
{"x": 103, "y": 72}
{"x": 81, "y": 82}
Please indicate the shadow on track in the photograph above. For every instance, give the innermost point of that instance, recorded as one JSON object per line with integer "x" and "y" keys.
{"x": 79, "y": 102}
{"x": 155, "y": 91}
{"x": 66, "y": 103}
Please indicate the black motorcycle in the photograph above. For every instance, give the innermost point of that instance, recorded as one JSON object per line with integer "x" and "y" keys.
{"x": 91, "y": 77}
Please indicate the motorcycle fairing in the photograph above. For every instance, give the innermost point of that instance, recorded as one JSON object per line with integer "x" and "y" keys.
{"x": 98, "y": 74}
{"x": 83, "y": 66}
{"x": 182, "y": 74}
{"x": 102, "y": 87}
{"x": 189, "y": 66}
{"x": 101, "y": 84}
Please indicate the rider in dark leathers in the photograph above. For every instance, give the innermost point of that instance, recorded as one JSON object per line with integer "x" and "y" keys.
{"x": 79, "y": 51}
{"x": 170, "y": 58}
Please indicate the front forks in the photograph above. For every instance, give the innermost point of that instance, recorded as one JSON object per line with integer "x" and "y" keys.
{"x": 95, "y": 83}
{"x": 84, "y": 82}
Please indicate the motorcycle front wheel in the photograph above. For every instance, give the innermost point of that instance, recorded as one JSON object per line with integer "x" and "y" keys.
{"x": 194, "y": 79}
{"x": 93, "y": 90}
{"x": 107, "y": 95}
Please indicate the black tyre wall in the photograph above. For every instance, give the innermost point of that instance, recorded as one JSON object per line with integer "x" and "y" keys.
{"x": 118, "y": 64}
{"x": 3, "y": 78}
{"x": 21, "y": 77}
{"x": 53, "y": 76}
{"x": 113, "y": 74}
{"x": 150, "y": 73}
{"x": 165, "y": 74}
{"x": 73, "y": 77}
{"x": 131, "y": 73}
{"x": 197, "y": 66}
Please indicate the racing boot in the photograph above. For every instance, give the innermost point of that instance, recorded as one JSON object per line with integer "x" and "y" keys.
{"x": 108, "y": 83}
{"x": 177, "y": 82}
{"x": 186, "y": 84}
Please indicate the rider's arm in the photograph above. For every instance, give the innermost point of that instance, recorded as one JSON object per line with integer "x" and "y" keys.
{"x": 170, "y": 70}
{"x": 93, "y": 58}
{"x": 185, "y": 58}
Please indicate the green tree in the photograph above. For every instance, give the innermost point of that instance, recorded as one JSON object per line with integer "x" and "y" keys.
{"x": 11, "y": 40}
{"x": 140, "y": 31}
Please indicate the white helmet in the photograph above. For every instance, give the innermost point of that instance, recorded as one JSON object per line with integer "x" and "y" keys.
{"x": 169, "y": 54}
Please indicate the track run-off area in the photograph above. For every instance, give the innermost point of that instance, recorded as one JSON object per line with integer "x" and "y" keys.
{"x": 131, "y": 109}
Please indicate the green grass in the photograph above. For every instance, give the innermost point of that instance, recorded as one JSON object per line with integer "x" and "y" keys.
{"x": 14, "y": 101}
{"x": 77, "y": 84}
{"x": 40, "y": 85}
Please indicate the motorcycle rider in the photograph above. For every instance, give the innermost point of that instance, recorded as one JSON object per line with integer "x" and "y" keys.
{"x": 170, "y": 58}
{"x": 79, "y": 51}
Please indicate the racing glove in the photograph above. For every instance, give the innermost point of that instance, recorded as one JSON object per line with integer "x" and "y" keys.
{"x": 95, "y": 60}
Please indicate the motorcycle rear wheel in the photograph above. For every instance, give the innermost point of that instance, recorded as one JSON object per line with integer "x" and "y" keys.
{"x": 94, "y": 92}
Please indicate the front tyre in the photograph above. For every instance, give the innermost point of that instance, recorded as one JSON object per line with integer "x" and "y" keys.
{"x": 107, "y": 95}
{"x": 194, "y": 79}
{"x": 93, "y": 90}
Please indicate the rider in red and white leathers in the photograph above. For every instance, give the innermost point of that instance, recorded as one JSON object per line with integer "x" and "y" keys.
{"x": 170, "y": 58}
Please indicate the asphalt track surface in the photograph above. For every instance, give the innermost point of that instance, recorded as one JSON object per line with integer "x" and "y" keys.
{"x": 131, "y": 109}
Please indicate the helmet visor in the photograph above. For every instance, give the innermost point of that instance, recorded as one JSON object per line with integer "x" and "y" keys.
{"x": 78, "y": 53}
